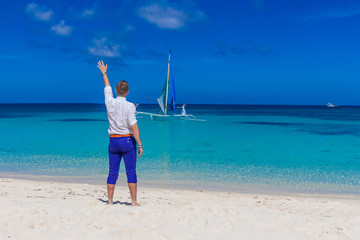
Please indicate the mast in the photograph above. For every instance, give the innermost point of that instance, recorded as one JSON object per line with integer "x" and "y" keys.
{"x": 167, "y": 83}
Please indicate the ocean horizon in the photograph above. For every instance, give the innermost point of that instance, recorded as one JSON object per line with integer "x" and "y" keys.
{"x": 284, "y": 148}
{"x": 190, "y": 104}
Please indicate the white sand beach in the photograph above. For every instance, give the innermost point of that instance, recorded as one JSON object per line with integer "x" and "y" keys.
{"x": 55, "y": 210}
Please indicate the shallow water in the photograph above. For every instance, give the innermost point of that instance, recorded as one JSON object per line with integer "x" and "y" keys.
{"x": 284, "y": 148}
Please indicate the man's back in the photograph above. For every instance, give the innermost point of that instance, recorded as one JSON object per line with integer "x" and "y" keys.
{"x": 121, "y": 113}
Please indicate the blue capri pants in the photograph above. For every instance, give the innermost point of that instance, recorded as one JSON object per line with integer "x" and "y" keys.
{"x": 122, "y": 147}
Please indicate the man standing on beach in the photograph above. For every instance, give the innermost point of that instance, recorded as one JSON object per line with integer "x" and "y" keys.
{"x": 124, "y": 131}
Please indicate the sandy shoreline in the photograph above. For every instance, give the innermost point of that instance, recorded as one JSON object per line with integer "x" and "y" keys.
{"x": 192, "y": 186}
{"x": 43, "y": 210}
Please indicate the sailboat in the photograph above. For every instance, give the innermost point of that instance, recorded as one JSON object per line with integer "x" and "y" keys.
{"x": 330, "y": 105}
{"x": 168, "y": 107}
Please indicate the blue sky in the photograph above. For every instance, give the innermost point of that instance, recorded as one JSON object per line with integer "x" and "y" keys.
{"x": 226, "y": 52}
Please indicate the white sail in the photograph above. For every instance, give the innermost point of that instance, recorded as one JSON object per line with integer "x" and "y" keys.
{"x": 162, "y": 98}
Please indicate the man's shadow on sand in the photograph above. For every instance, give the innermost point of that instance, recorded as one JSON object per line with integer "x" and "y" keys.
{"x": 116, "y": 202}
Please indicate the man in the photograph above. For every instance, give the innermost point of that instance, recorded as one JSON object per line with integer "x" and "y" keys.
{"x": 124, "y": 131}
{"x": 183, "y": 112}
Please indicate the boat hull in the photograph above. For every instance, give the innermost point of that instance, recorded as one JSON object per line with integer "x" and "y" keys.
{"x": 161, "y": 117}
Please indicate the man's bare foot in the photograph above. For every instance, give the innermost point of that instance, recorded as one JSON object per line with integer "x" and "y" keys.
{"x": 135, "y": 204}
{"x": 110, "y": 203}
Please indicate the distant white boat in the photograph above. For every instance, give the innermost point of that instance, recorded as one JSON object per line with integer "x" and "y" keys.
{"x": 331, "y": 105}
{"x": 168, "y": 108}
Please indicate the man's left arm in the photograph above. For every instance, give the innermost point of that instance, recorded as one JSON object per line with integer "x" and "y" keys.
{"x": 136, "y": 133}
{"x": 131, "y": 118}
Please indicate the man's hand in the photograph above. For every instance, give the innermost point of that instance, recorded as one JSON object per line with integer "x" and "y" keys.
{"x": 141, "y": 151}
{"x": 103, "y": 69}
{"x": 102, "y": 66}
{"x": 136, "y": 134}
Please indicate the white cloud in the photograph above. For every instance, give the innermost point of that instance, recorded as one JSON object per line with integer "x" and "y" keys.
{"x": 171, "y": 16}
{"x": 105, "y": 48}
{"x": 62, "y": 29}
{"x": 163, "y": 16}
{"x": 38, "y": 12}
{"x": 87, "y": 13}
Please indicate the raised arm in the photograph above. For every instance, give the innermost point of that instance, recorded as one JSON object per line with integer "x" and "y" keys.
{"x": 103, "y": 69}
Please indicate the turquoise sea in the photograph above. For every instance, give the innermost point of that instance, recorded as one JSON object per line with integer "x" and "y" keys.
{"x": 303, "y": 149}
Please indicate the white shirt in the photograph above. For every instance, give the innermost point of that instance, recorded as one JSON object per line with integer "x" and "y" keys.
{"x": 121, "y": 113}
{"x": 183, "y": 111}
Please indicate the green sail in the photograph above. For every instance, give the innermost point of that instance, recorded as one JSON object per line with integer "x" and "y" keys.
{"x": 162, "y": 98}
